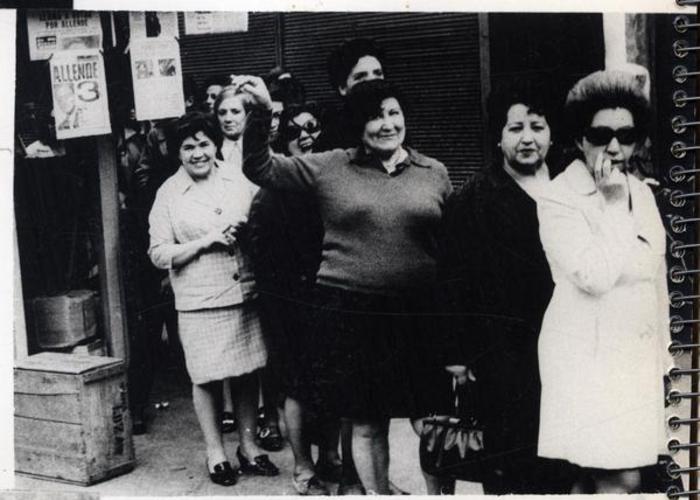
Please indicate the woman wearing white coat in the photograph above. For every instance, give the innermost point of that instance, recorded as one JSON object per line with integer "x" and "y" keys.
{"x": 603, "y": 346}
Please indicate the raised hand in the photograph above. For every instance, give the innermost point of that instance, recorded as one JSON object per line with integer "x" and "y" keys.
{"x": 610, "y": 181}
{"x": 253, "y": 90}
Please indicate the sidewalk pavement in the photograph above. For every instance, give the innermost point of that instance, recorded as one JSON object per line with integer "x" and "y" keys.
{"x": 170, "y": 458}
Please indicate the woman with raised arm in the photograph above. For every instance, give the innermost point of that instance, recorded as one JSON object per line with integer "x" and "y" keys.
{"x": 381, "y": 204}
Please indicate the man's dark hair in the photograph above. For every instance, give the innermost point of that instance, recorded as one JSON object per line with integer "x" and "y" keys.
{"x": 345, "y": 56}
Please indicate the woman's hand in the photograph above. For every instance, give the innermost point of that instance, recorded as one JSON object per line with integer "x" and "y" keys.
{"x": 222, "y": 235}
{"x": 253, "y": 90}
{"x": 610, "y": 181}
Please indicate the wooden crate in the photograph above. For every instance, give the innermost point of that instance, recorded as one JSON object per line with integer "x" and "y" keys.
{"x": 64, "y": 320}
{"x": 72, "y": 421}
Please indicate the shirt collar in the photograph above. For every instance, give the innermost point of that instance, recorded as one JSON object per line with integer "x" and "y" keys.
{"x": 360, "y": 157}
{"x": 184, "y": 182}
{"x": 579, "y": 178}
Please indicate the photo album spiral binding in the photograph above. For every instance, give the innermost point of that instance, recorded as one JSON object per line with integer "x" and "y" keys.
{"x": 394, "y": 250}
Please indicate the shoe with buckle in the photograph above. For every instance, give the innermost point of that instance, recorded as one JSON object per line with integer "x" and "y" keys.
{"x": 259, "y": 466}
{"x": 223, "y": 474}
{"x": 270, "y": 438}
{"x": 310, "y": 487}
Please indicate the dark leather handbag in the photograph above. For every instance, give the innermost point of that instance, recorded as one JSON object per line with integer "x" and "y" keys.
{"x": 452, "y": 446}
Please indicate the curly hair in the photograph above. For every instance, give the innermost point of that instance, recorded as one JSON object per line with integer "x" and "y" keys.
{"x": 189, "y": 125}
{"x": 605, "y": 89}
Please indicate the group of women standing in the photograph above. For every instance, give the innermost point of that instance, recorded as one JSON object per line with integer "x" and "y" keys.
{"x": 346, "y": 245}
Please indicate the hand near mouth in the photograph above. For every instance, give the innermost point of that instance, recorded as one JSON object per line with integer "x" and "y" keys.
{"x": 610, "y": 180}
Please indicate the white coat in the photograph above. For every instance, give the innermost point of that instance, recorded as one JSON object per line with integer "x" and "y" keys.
{"x": 605, "y": 334}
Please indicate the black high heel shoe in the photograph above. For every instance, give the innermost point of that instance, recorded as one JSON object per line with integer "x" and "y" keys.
{"x": 223, "y": 474}
{"x": 260, "y": 466}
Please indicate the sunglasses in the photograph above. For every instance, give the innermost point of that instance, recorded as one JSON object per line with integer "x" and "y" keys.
{"x": 601, "y": 136}
{"x": 294, "y": 130}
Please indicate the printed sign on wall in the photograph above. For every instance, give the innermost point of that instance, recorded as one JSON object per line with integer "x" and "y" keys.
{"x": 52, "y": 31}
{"x": 79, "y": 93}
{"x": 207, "y": 22}
{"x": 157, "y": 76}
{"x": 153, "y": 24}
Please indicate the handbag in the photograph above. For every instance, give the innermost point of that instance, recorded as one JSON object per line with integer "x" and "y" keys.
{"x": 452, "y": 446}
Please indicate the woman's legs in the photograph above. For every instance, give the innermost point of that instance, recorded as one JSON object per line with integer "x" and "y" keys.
{"x": 206, "y": 405}
{"x": 370, "y": 450}
{"x": 294, "y": 420}
{"x": 244, "y": 392}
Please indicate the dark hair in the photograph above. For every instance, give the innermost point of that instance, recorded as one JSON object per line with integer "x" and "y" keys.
{"x": 294, "y": 110}
{"x": 606, "y": 89}
{"x": 220, "y": 80}
{"x": 345, "y": 56}
{"x": 364, "y": 102}
{"x": 539, "y": 98}
{"x": 536, "y": 93}
{"x": 284, "y": 87}
{"x": 189, "y": 125}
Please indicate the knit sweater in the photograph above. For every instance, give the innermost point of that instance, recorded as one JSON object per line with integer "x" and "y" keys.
{"x": 380, "y": 228}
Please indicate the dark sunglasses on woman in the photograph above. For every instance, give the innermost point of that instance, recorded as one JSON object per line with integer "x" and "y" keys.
{"x": 601, "y": 136}
{"x": 294, "y": 129}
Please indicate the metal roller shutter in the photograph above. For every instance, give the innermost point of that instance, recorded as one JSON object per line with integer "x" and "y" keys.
{"x": 433, "y": 57}
{"x": 251, "y": 52}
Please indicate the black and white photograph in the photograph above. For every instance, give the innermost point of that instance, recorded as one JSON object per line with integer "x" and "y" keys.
{"x": 380, "y": 253}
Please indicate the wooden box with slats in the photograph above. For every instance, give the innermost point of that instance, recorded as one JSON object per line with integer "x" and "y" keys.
{"x": 72, "y": 421}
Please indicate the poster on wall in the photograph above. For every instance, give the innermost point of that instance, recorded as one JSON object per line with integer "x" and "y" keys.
{"x": 207, "y": 22}
{"x": 153, "y": 24}
{"x": 79, "y": 91}
{"x": 52, "y": 31}
{"x": 157, "y": 75}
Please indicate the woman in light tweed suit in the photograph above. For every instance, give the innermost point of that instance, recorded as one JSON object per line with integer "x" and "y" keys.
{"x": 195, "y": 222}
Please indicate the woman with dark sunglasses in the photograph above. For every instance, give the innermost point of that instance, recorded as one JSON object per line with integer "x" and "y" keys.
{"x": 603, "y": 345}
{"x": 300, "y": 129}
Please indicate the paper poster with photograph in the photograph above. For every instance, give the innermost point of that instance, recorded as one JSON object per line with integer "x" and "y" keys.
{"x": 55, "y": 30}
{"x": 157, "y": 77}
{"x": 153, "y": 24}
{"x": 206, "y": 22}
{"x": 79, "y": 93}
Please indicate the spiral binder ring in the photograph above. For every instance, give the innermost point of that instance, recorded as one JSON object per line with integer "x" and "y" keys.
{"x": 682, "y": 272}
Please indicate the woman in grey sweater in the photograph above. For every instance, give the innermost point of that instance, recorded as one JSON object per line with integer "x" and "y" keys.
{"x": 381, "y": 204}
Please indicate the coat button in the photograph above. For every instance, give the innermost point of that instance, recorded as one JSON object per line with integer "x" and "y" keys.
{"x": 235, "y": 276}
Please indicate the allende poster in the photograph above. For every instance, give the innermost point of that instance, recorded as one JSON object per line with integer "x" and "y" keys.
{"x": 51, "y": 31}
{"x": 79, "y": 91}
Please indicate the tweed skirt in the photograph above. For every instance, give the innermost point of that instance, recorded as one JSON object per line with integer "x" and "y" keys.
{"x": 222, "y": 343}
